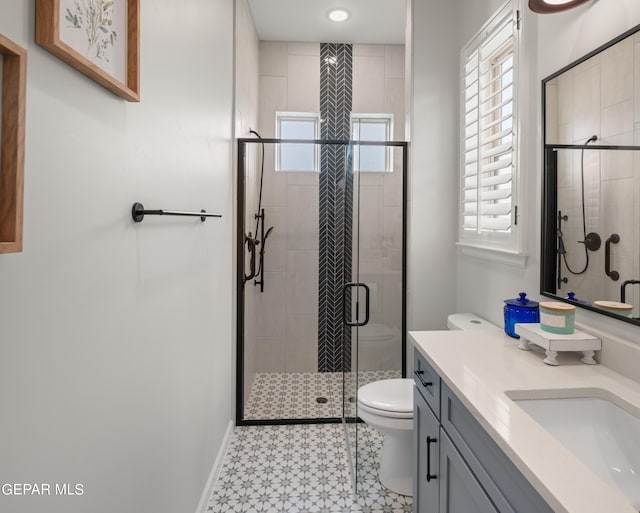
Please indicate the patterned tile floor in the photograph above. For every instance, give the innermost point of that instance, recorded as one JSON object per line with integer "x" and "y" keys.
{"x": 301, "y": 469}
{"x": 293, "y": 395}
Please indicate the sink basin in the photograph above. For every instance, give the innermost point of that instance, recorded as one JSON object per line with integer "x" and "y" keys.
{"x": 600, "y": 433}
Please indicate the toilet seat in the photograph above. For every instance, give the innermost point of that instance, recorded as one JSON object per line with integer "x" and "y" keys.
{"x": 388, "y": 398}
{"x": 363, "y": 408}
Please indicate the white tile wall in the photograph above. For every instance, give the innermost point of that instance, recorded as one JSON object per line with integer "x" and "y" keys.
{"x": 273, "y": 58}
{"x": 276, "y": 246}
{"x": 303, "y": 81}
{"x": 617, "y": 74}
{"x": 370, "y": 217}
{"x": 394, "y": 61}
{"x": 636, "y": 80}
{"x": 600, "y": 97}
{"x": 268, "y": 354}
{"x": 617, "y": 120}
{"x": 586, "y": 99}
{"x": 304, "y": 49}
{"x": 368, "y": 83}
{"x": 273, "y": 97}
{"x": 302, "y": 217}
{"x": 361, "y": 50}
{"x": 290, "y": 81}
{"x": 302, "y": 282}
{"x": 270, "y": 306}
{"x": 302, "y": 343}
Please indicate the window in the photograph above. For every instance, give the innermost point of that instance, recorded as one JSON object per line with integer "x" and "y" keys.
{"x": 489, "y": 134}
{"x": 295, "y": 156}
{"x": 372, "y": 127}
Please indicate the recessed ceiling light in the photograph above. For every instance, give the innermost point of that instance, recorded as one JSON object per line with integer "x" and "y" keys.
{"x": 551, "y": 6}
{"x": 339, "y": 15}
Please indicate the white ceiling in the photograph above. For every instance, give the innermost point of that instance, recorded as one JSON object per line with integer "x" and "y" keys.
{"x": 371, "y": 21}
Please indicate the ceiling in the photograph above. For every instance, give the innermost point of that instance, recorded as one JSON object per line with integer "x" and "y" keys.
{"x": 371, "y": 21}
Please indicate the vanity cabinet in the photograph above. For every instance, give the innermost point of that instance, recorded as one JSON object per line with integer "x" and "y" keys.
{"x": 458, "y": 468}
{"x": 426, "y": 434}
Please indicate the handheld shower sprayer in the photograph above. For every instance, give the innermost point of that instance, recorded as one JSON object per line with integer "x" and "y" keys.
{"x": 592, "y": 240}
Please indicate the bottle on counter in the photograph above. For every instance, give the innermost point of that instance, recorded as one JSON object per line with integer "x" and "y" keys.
{"x": 520, "y": 309}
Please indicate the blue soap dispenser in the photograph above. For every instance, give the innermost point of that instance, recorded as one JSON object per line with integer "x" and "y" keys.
{"x": 520, "y": 309}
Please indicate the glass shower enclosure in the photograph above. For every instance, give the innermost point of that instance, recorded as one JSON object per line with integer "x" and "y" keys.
{"x": 321, "y": 280}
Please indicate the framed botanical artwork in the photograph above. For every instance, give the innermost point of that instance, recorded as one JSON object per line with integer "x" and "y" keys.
{"x": 100, "y": 38}
{"x": 13, "y": 76}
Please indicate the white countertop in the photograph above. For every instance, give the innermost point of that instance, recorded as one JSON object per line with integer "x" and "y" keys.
{"x": 482, "y": 367}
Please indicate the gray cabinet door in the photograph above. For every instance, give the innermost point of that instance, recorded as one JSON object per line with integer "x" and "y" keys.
{"x": 460, "y": 491}
{"x": 426, "y": 456}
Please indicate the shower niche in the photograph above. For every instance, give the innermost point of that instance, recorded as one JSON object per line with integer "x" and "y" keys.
{"x": 591, "y": 189}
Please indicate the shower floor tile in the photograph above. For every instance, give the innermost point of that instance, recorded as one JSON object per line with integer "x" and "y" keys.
{"x": 301, "y": 469}
{"x": 293, "y": 395}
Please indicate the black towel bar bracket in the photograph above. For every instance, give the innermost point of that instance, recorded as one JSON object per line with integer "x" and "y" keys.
{"x": 138, "y": 212}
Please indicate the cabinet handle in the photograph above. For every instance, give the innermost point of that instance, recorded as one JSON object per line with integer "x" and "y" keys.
{"x": 419, "y": 374}
{"x": 430, "y": 441}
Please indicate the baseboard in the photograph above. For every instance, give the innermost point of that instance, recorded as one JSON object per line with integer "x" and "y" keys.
{"x": 215, "y": 470}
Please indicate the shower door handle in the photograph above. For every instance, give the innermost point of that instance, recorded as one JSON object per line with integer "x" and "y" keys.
{"x": 357, "y": 322}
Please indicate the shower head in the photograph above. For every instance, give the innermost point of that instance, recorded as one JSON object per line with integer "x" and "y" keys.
{"x": 593, "y": 138}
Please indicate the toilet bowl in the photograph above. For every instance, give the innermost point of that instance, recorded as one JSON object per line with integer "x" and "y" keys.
{"x": 387, "y": 406}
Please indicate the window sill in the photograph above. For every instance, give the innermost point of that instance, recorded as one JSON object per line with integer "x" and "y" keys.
{"x": 500, "y": 256}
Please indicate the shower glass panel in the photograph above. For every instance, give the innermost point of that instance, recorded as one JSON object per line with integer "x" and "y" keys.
{"x": 376, "y": 349}
{"x": 320, "y": 256}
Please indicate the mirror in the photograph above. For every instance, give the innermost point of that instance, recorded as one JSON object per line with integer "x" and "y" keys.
{"x": 591, "y": 191}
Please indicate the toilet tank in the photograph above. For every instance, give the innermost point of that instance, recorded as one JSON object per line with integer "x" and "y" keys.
{"x": 469, "y": 321}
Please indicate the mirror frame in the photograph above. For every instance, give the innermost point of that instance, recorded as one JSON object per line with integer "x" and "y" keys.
{"x": 549, "y": 187}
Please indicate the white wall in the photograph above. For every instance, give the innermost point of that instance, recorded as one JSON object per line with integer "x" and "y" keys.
{"x": 115, "y": 338}
{"x": 433, "y": 161}
{"x": 561, "y": 39}
{"x": 247, "y": 65}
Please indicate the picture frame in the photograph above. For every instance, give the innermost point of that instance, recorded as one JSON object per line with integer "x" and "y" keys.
{"x": 13, "y": 75}
{"x": 100, "y": 38}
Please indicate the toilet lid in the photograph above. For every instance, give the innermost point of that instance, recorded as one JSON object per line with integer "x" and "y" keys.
{"x": 388, "y": 395}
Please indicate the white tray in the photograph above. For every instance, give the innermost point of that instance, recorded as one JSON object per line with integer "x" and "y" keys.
{"x": 552, "y": 342}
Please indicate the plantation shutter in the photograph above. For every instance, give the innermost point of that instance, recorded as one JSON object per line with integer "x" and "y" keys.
{"x": 488, "y": 128}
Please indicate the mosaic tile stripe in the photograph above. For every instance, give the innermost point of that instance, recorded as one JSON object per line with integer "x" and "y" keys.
{"x": 335, "y": 215}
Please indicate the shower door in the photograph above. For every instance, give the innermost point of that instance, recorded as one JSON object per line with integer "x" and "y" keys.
{"x": 374, "y": 298}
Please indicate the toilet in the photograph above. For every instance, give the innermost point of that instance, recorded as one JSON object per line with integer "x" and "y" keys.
{"x": 387, "y": 406}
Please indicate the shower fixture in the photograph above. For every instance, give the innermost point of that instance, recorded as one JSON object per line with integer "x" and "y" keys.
{"x": 252, "y": 241}
{"x": 591, "y": 241}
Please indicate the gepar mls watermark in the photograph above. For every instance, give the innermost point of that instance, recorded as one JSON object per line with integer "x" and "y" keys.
{"x": 40, "y": 489}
